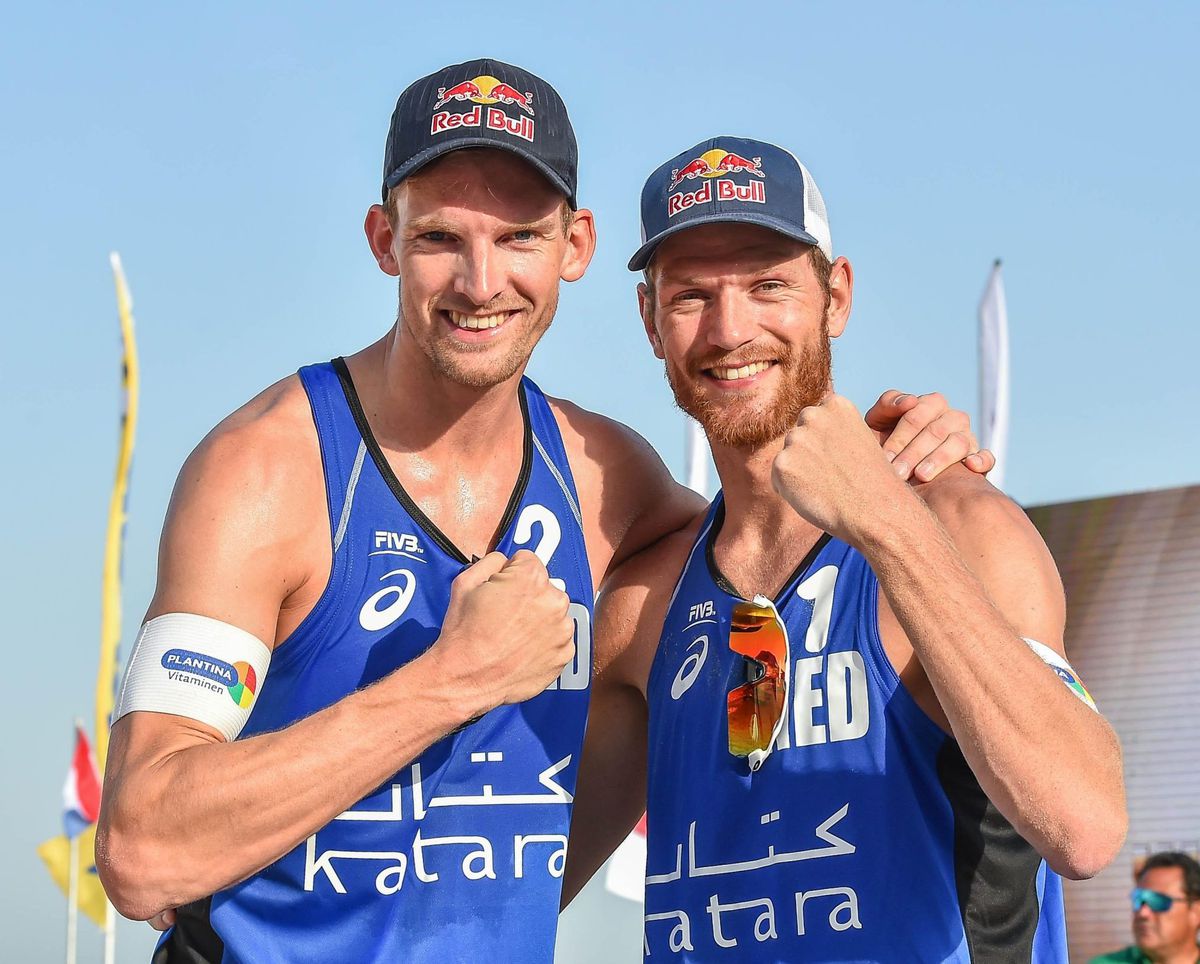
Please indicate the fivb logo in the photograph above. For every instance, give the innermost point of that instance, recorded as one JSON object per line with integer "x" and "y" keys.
{"x": 397, "y": 541}
{"x": 238, "y": 678}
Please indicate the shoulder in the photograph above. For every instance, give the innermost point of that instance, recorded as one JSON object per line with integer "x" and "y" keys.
{"x": 259, "y": 450}
{"x": 629, "y": 495}
{"x": 984, "y": 523}
{"x": 632, "y": 606}
{"x": 241, "y": 517}
{"x": 592, "y": 439}
{"x": 1000, "y": 544}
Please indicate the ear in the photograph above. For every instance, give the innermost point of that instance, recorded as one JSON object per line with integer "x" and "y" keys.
{"x": 581, "y": 245}
{"x": 841, "y": 296}
{"x": 380, "y": 238}
{"x": 646, "y": 308}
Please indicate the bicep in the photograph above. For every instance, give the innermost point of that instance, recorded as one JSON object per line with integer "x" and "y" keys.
{"x": 662, "y": 506}
{"x": 220, "y": 557}
{"x": 222, "y": 552}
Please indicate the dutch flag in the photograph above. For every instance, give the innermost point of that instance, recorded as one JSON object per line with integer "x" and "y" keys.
{"x": 81, "y": 789}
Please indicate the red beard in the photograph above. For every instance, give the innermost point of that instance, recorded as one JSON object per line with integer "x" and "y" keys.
{"x": 805, "y": 377}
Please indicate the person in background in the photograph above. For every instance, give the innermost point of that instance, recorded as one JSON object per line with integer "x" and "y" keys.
{"x": 1166, "y": 913}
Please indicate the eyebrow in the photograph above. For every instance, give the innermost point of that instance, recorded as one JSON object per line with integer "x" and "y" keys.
{"x": 433, "y": 222}
{"x": 688, "y": 281}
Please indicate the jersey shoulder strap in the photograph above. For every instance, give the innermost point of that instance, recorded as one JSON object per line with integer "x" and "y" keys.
{"x": 343, "y": 449}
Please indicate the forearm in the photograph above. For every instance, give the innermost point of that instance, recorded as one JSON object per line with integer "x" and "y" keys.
{"x": 1048, "y": 762}
{"x": 610, "y": 796}
{"x": 164, "y": 832}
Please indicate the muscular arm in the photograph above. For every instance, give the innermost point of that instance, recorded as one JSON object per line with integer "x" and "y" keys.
{"x": 173, "y": 788}
{"x": 964, "y": 591}
{"x": 961, "y": 589}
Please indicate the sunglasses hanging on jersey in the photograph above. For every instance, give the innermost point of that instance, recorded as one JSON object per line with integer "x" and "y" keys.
{"x": 757, "y": 633}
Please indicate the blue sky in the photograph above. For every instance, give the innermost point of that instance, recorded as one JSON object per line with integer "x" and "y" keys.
{"x": 229, "y": 152}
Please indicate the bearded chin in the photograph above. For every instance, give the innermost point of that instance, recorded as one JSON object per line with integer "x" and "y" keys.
{"x": 805, "y": 378}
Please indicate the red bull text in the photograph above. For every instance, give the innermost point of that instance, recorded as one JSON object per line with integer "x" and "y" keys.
{"x": 755, "y": 192}
{"x": 493, "y": 118}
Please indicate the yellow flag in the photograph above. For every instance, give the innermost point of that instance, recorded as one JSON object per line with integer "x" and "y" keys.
{"x": 110, "y": 609}
{"x": 56, "y": 852}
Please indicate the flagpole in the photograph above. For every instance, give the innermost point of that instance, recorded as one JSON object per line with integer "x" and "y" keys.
{"x": 110, "y": 932}
{"x": 72, "y": 900}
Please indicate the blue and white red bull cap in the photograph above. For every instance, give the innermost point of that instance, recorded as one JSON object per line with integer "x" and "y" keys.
{"x": 482, "y": 103}
{"x": 727, "y": 179}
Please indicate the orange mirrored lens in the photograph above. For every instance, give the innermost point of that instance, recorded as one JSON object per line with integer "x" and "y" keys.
{"x": 754, "y": 708}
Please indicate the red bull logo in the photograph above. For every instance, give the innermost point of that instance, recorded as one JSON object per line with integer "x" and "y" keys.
{"x": 716, "y": 164}
{"x": 484, "y": 92}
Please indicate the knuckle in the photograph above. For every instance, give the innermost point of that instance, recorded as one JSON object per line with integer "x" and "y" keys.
{"x": 940, "y": 430}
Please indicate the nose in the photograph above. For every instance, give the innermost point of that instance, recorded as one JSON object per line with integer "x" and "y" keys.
{"x": 480, "y": 275}
{"x": 729, "y": 321}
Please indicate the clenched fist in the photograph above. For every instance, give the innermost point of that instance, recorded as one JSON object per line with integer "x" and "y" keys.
{"x": 833, "y": 472}
{"x": 507, "y": 633}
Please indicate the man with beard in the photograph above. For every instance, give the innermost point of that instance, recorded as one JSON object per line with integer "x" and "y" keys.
{"x": 402, "y": 783}
{"x": 850, "y": 703}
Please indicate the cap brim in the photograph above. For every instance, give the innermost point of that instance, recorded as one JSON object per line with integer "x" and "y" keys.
{"x": 427, "y": 156}
{"x": 642, "y": 256}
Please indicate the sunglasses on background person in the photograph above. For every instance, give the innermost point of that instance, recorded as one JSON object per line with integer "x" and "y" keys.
{"x": 1157, "y": 902}
{"x": 756, "y": 707}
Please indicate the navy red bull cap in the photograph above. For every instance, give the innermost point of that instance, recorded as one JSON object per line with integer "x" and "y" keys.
{"x": 482, "y": 103}
{"x": 732, "y": 179}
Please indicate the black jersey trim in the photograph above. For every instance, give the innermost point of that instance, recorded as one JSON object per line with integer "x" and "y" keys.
{"x": 192, "y": 939}
{"x": 995, "y": 869}
{"x": 710, "y": 559}
{"x": 393, "y": 483}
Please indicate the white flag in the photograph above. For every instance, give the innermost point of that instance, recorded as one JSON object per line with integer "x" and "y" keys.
{"x": 993, "y": 372}
{"x": 626, "y": 874}
{"x": 696, "y": 454}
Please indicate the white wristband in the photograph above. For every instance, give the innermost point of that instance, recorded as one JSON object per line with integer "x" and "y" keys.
{"x": 197, "y": 667}
{"x": 1063, "y": 670}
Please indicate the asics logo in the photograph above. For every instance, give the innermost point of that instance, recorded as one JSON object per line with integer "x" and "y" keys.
{"x": 690, "y": 668}
{"x": 394, "y": 599}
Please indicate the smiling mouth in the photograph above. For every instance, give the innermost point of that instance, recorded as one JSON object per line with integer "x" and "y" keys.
{"x": 724, "y": 373}
{"x": 466, "y": 322}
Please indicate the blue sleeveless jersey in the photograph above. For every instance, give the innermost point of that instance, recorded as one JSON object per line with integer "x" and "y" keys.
{"x": 863, "y": 837}
{"x": 459, "y": 856}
